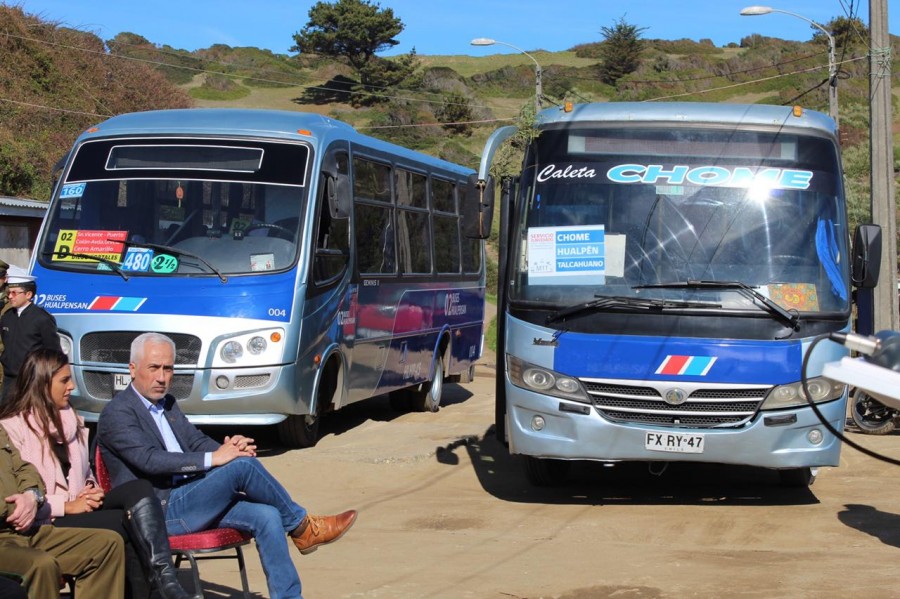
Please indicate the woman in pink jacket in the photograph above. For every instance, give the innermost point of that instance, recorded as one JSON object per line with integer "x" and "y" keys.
{"x": 49, "y": 434}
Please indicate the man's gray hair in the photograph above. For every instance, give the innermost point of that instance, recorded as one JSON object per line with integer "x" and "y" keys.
{"x": 137, "y": 346}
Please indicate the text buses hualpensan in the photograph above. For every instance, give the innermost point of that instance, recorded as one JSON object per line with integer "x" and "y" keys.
{"x": 298, "y": 265}
{"x": 663, "y": 269}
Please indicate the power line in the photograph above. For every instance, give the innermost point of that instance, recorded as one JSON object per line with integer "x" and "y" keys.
{"x": 480, "y": 122}
{"x": 45, "y": 107}
{"x": 732, "y": 73}
{"x": 386, "y": 96}
{"x": 713, "y": 89}
{"x": 234, "y": 75}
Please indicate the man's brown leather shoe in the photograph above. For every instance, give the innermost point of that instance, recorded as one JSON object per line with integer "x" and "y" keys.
{"x": 321, "y": 530}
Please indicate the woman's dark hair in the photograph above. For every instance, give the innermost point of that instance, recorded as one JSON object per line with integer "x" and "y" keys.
{"x": 32, "y": 394}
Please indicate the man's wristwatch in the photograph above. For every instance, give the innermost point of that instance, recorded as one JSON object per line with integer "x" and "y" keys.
{"x": 38, "y": 496}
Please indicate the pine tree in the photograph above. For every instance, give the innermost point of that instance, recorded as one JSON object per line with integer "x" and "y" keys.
{"x": 354, "y": 31}
{"x": 620, "y": 52}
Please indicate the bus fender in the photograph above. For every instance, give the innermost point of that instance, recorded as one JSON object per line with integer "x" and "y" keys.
{"x": 436, "y": 354}
{"x": 331, "y": 354}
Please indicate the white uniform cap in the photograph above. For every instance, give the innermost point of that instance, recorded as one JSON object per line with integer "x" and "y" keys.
{"x": 18, "y": 276}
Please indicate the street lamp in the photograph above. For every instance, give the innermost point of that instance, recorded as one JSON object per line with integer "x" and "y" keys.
{"x": 486, "y": 41}
{"x": 832, "y": 65}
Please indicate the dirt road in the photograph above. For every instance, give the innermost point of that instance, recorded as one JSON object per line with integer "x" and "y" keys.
{"x": 446, "y": 513}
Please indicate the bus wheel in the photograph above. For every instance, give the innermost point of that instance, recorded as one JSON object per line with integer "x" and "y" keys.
{"x": 798, "y": 477}
{"x": 544, "y": 472}
{"x": 870, "y": 415}
{"x": 428, "y": 398}
{"x": 299, "y": 431}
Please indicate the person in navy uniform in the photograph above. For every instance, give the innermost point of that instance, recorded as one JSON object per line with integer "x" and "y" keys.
{"x": 23, "y": 327}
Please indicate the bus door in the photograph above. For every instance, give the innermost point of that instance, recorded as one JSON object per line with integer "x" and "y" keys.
{"x": 331, "y": 300}
{"x": 376, "y": 272}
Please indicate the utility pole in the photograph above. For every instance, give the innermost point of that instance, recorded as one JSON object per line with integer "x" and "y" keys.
{"x": 881, "y": 155}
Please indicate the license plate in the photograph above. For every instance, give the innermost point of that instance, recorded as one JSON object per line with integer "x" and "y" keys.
{"x": 673, "y": 442}
{"x": 121, "y": 381}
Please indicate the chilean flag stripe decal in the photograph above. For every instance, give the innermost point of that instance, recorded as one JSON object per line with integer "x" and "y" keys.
{"x": 686, "y": 365}
{"x": 117, "y": 303}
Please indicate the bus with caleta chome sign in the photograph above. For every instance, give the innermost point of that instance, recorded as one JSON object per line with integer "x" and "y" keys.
{"x": 298, "y": 265}
{"x": 664, "y": 268}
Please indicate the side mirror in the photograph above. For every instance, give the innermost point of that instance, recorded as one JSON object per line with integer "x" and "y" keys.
{"x": 337, "y": 193}
{"x": 866, "y": 257}
{"x": 478, "y": 208}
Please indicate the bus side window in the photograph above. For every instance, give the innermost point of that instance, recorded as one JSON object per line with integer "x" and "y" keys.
{"x": 373, "y": 217}
{"x": 332, "y": 240}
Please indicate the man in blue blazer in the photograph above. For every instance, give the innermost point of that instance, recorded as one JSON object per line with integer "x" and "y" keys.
{"x": 201, "y": 483}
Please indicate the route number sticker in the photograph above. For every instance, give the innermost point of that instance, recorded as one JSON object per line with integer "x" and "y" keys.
{"x": 137, "y": 260}
{"x": 164, "y": 264}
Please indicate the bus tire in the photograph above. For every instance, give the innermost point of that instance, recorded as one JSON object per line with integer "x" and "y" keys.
{"x": 798, "y": 477}
{"x": 871, "y": 416}
{"x": 428, "y": 397}
{"x": 546, "y": 472}
{"x": 298, "y": 431}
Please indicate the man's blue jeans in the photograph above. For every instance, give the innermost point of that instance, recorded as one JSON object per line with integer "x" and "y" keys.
{"x": 243, "y": 494}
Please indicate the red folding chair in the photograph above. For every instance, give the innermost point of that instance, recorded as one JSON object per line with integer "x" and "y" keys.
{"x": 195, "y": 546}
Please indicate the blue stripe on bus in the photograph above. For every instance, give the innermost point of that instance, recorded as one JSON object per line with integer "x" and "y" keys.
{"x": 640, "y": 358}
{"x": 264, "y": 297}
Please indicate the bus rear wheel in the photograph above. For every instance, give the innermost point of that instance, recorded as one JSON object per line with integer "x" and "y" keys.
{"x": 428, "y": 397}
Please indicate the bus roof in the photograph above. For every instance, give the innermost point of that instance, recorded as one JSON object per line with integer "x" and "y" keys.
{"x": 762, "y": 115}
{"x": 273, "y": 124}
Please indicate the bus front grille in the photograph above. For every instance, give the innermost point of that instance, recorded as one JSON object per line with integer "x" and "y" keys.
{"x": 114, "y": 347}
{"x": 251, "y": 381}
{"x": 99, "y": 385}
{"x": 702, "y": 407}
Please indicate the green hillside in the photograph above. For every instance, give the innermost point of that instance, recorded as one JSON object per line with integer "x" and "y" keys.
{"x": 494, "y": 89}
{"x": 56, "y": 82}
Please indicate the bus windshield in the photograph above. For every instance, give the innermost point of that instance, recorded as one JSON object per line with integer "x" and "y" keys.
{"x": 153, "y": 207}
{"x": 664, "y": 213}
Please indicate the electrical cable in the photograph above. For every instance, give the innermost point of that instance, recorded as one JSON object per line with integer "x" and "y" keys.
{"x": 838, "y": 338}
{"x": 713, "y": 89}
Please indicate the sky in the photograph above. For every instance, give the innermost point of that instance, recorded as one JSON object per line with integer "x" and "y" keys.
{"x": 445, "y": 27}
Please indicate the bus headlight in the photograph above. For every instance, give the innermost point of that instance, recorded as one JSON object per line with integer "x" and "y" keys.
{"x": 256, "y": 345}
{"x": 791, "y": 395}
{"x": 549, "y": 382}
{"x": 231, "y": 352}
{"x": 257, "y": 348}
{"x": 65, "y": 343}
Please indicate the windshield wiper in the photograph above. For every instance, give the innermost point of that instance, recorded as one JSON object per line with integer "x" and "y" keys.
{"x": 112, "y": 264}
{"x": 619, "y": 302}
{"x": 791, "y": 318}
{"x": 174, "y": 250}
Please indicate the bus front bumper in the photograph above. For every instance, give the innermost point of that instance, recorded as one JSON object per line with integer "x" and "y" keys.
{"x": 548, "y": 427}
{"x": 237, "y": 402}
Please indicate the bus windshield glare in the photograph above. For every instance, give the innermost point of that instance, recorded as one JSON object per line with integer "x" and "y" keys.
{"x": 643, "y": 212}
{"x": 182, "y": 207}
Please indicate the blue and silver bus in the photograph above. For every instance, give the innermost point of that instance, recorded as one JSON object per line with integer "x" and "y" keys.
{"x": 298, "y": 265}
{"x": 663, "y": 270}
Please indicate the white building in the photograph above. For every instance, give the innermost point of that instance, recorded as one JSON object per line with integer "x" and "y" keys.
{"x": 20, "y": 220}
